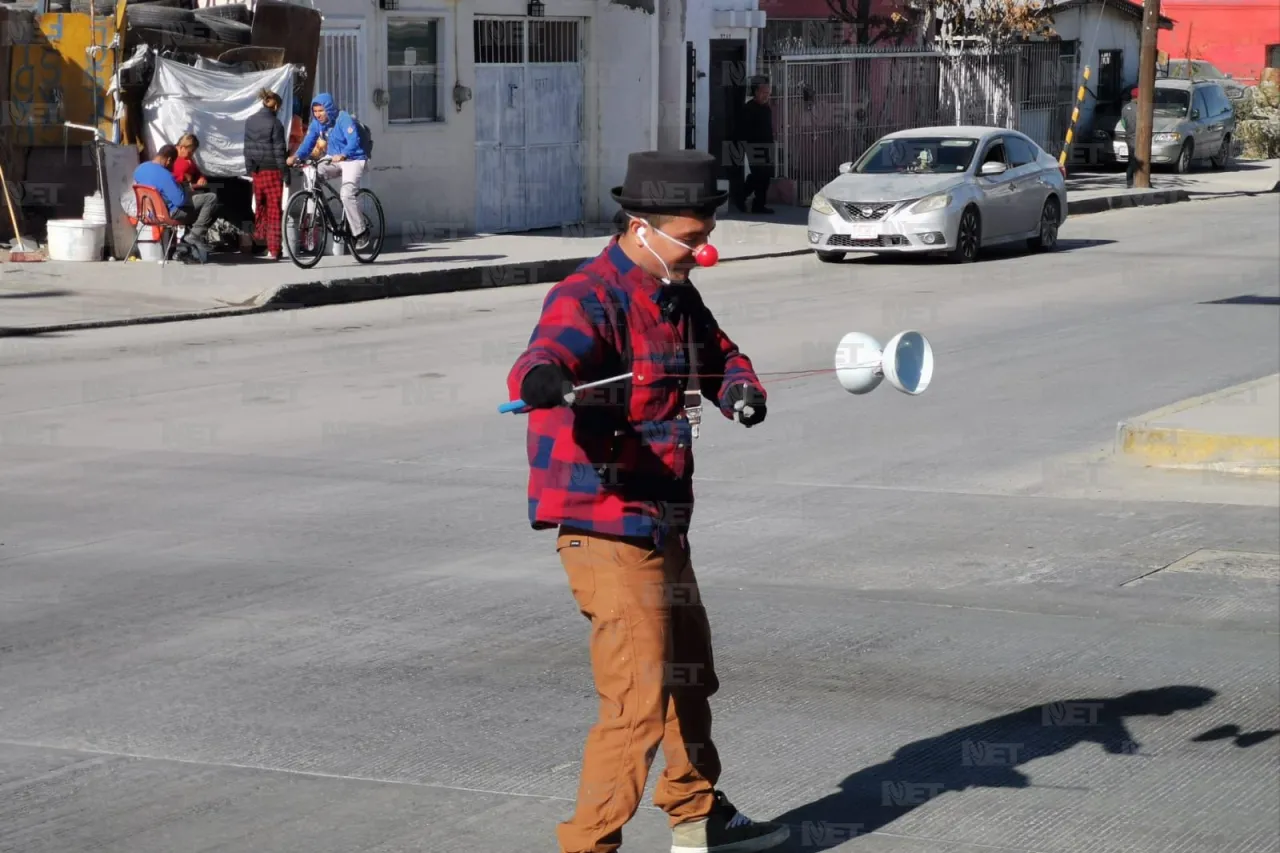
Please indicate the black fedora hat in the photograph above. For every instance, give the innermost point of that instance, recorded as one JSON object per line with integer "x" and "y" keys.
{"x": 670, "y": 181}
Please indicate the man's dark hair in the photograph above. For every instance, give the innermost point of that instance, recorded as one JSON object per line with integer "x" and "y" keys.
{"x": 168, "y": 152}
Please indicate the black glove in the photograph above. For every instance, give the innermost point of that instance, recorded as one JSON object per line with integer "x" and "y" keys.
{"x": 544, "y": 387}
{"x": 749, "y": 396}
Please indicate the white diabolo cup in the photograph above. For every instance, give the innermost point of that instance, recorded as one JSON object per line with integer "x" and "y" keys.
{"x": 858, "y": 363}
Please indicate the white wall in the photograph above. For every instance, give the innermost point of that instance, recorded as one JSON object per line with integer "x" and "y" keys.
{"x": 425, "y": 175}
{"x": 1111, "y": 31}
{"x": 624, "y": 63}
{"x": 672, "y": 73}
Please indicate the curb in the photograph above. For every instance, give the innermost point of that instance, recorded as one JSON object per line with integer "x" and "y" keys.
{"x": 1140, "y": 198}
{"x": 368, "y": 289}
{"x": 1243, "y": 455}
{"x": 1170, "y": 447}
{"x": 454, "y": 280}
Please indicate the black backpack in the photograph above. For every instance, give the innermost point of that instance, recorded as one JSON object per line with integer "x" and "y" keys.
{"x": 366, "y": 137}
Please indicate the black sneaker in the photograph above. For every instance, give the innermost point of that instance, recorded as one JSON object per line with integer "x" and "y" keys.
{"x": 726, "y": 830}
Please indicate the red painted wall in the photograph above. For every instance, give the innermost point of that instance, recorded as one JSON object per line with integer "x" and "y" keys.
{"x": 1232, "y": 35}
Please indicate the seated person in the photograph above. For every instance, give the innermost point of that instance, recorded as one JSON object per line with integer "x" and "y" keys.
{"x": 185, "y": 168}
{"x": 194, "y": 210}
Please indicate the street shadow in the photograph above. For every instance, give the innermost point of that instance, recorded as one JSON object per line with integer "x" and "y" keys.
{"x": 1064, "y": 245}
{"x": 440, "y": 259}
{"x": 28, "y": 332}
{"x": 1241, "y": 739}
{"x": 986, "y": 755}
{"x": 993, "y": 253}
{"x": 37, "y": 294}
{"x": 1249, "y": 299}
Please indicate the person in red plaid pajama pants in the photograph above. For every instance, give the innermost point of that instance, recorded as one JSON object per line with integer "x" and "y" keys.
{"x": 614, "y": 474}
{"x": 264, "y": 158}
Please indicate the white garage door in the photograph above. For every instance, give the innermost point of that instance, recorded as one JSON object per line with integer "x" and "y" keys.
{"x": 530, "y": 83}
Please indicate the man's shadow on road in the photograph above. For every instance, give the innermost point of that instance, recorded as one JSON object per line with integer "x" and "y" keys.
{"x": 985, "y": 755}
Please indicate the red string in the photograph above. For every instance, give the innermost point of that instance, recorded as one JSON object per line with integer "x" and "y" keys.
{"x": 811, "y": 372}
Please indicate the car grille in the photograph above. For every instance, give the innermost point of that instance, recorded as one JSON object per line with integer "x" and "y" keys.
{"x": 875, "y": 242}
{"x": 864, "y": 212}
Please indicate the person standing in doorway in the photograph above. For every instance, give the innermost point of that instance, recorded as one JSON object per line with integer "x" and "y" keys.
{"x": 755, "y": 132}
{"x": 614, "y": 475}
{"x": 346, "y": 153}
{"x": 264, "y": 160}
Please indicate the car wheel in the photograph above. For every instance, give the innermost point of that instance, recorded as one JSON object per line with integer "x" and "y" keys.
{"x": 831, "y": 257}
{"x": 1185, "y": 158}
{"x": 1223, "y": 158}
{"x": 1050, "y": 219}
{"x": 968, "y": 237}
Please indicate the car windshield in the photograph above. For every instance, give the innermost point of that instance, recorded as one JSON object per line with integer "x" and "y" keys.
{"x": 930, "y": 155}
{"x": 1202, "y": 70}
{"x": 1171, "y": 101}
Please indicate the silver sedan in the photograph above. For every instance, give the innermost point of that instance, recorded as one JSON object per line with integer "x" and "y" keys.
{"x": 951, "y": 190}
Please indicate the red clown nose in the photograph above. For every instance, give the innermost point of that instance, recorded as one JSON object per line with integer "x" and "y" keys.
{"x": 706, "y": 256}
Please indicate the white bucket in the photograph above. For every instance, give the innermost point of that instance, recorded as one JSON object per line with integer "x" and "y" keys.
{"x": 94, "y": 210}
{"x": 150, "y": 251}
{"x": 76, "y": 240}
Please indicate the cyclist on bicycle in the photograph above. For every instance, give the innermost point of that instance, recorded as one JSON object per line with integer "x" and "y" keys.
{"x": 342, "y": 138}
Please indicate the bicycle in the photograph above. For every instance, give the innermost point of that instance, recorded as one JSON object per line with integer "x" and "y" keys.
{"x": 309, "y": 218}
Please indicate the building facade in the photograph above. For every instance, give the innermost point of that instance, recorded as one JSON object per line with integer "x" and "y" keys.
{"x": 1239, "y": 37}
{"x": 494, "y": 116}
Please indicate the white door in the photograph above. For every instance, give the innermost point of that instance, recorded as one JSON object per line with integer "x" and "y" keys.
{"x": 530, "y": 83}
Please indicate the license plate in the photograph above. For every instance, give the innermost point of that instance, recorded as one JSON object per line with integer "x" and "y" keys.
{"x": 1122, "y": 149}
{"x": 864, "y": 232}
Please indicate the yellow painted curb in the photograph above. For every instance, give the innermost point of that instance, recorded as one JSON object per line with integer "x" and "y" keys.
{"x": 1142, "y": 440}
{"x": 1184, "y": 448}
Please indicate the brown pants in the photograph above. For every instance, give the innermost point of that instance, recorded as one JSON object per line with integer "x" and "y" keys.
{"x": 651, "y": 658}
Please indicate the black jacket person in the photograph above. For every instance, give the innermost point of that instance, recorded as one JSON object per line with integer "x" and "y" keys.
{"x": 754, "y": 132}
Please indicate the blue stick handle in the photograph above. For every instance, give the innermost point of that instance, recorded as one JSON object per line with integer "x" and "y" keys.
{"x": 513, "y": 406}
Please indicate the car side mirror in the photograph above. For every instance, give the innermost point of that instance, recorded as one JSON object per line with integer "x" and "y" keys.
{"x": 1195, "y": 115}
{"x": 846, "y": 168}
{"x": 991, "y": 169}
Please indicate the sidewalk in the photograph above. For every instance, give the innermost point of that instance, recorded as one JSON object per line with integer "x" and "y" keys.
{"x": 55, "y": 296}
{"x": 1235, "y": 431}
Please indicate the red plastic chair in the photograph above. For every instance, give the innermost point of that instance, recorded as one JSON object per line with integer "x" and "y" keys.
{"x": 153, "y": 212}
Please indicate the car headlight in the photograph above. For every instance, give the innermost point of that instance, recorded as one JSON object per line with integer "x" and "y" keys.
{"x": 1235, "y": 93}
{"x": 1165, "y": 137}
{"x": 821, "y": 205}
{"x": 931, "y": 202}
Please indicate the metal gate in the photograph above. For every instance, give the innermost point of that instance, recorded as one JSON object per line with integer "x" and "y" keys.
{"x": 340, "y": 66}
{"x": 831, "y": 105}
{"x": 530, "y": 84}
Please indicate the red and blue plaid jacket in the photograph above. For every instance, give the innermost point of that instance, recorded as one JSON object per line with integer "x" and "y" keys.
{"x": 620, "y": 461}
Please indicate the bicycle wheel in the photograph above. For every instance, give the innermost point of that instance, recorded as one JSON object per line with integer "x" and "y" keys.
{"x": 306, "y": 232}
{"x": 375, "y": 222}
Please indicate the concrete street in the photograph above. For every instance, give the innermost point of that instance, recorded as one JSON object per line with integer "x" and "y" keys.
{"x": 267, "y": 583}
{"x": 435, "y": 257}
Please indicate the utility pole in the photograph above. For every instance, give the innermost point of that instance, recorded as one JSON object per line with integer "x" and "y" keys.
{"x": 1146, "y": 92}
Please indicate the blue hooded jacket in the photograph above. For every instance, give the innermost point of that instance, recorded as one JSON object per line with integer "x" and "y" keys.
{"x": 338, "y": 129}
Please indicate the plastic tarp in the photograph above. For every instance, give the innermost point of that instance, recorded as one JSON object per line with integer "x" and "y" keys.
{"x": 213, "y": 105}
